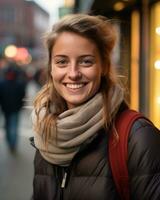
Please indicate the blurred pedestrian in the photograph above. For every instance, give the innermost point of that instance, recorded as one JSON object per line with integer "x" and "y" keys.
{"x": 12, "y": 91}
{"x": 74, "y": 115}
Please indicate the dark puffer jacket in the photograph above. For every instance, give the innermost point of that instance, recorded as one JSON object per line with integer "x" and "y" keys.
{"x": 89, "y": 176}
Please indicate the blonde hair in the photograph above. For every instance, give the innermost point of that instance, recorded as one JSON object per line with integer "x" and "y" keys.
{"x": 99, "y": 30}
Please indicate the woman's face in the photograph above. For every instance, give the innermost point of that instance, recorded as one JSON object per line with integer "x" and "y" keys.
{"x": 76, "y": 68}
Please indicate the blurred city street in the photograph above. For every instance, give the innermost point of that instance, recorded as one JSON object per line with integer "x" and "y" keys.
{"x": 16, "y": 169}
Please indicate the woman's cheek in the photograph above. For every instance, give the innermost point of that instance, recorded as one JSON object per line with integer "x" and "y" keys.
{"x": 58, "y": 75}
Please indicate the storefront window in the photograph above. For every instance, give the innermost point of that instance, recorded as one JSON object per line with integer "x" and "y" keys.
{"x": 155, "y": 64}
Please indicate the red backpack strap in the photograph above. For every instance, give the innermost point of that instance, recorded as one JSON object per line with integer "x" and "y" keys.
{"x": 118, "y": 151}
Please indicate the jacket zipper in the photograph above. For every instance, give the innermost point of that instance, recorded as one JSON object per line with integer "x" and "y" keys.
{"x": 64, "y": 181}
{"x": 63, "y": 184}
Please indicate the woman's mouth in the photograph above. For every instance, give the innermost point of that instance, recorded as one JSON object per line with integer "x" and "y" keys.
{"x": 75, "y": 85}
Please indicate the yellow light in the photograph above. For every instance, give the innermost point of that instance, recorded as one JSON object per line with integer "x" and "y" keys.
{"x": 134, "y": 79}
{"x": 119, "y": 6}
{"x": 158, "y": 99}
{"x": 158, "y": 30}
{"x": 10, "y": 51}
{"x": 157, "y": 64}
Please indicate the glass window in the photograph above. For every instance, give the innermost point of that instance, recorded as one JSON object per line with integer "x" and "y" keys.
{"x": 154, "y": 66}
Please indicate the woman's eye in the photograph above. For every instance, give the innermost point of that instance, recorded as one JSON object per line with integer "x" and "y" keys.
{"x": 61, "y": 62}
{"x": 86, "y": 62}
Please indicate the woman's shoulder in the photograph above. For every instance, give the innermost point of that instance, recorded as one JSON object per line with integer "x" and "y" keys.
{"x": 144, "y": 147}
{"x": 143, "y": 129}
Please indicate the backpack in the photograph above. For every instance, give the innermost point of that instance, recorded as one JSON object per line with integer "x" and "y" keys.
{"x": 118, "y": 152}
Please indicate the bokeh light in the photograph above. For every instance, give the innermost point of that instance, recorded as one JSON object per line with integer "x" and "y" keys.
{"x": 10, "y": 51}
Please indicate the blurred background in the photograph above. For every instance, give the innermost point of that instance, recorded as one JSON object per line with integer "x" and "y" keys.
{"x": 23, "y": 24}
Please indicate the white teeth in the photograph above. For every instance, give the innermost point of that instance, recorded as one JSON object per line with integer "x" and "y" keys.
{"x": 74, "y": 86}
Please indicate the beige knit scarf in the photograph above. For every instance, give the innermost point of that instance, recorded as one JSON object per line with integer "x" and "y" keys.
{"x": 75, "y": 127}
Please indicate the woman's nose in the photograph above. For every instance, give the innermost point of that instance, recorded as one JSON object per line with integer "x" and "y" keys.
{"x": 74, "y": 72}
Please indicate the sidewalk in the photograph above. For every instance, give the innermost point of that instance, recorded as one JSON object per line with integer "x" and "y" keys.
{"x": 16, "y": 170}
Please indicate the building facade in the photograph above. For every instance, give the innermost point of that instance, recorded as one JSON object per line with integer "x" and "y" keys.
{"x": 22, "y": 23}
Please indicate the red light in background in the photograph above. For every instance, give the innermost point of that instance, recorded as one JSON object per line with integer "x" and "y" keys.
{"x": 22, "y": 54}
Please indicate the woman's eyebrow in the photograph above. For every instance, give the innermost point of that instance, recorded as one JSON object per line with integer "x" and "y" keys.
{"x": 59, "y": 55}
{"x": 87, "y": 55}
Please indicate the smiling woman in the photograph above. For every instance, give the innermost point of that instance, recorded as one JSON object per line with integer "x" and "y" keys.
{"x": 74, "y": 115}
{"x": 76, "y": 68}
